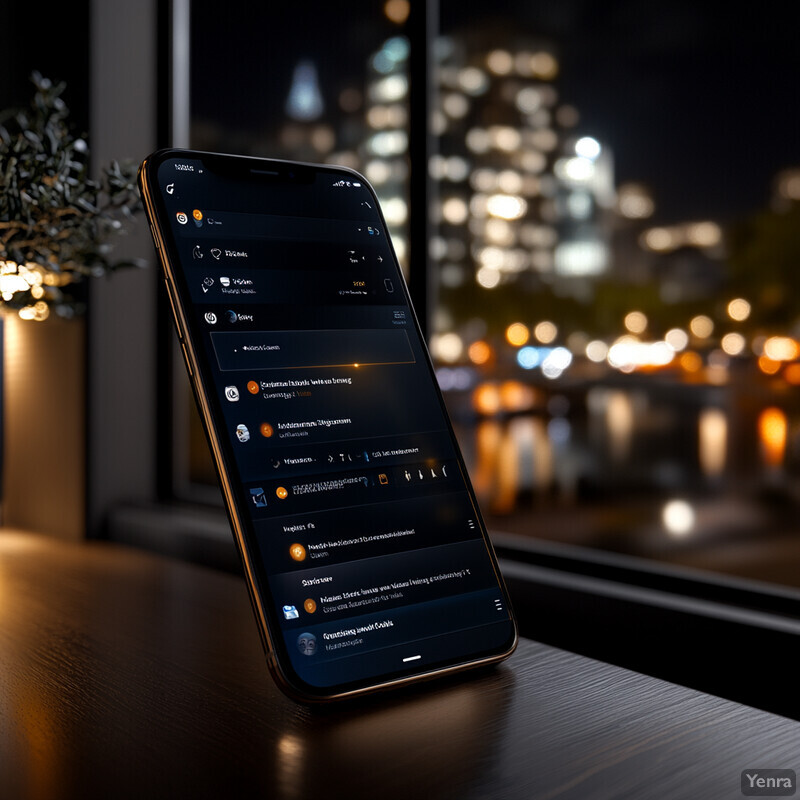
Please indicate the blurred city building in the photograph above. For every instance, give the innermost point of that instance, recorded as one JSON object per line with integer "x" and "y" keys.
{"x": 619, "y": 377}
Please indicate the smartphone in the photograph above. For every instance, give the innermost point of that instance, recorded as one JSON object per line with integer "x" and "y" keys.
{"x": 366, "y": 558}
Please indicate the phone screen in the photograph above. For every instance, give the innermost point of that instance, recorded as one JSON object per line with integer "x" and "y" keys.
{"x": 367, "y": 557}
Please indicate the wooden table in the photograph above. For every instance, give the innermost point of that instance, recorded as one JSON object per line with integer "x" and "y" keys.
{"x": 124, "y": 674}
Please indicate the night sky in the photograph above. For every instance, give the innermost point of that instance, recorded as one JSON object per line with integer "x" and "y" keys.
{"x": 703, "y": 107}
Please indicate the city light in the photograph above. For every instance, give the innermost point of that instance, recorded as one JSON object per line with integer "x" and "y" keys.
{"x": 395, "y": 210}
{"x": 701, "y": 326}
{"x": 390, "y": 89}
{"x": 544, "y": 66}
{"x": 455, "y": 105}
{"x": 516, "y": 396}
{"x": 506, "y": 206}
{"x": 678, "y": 517}
{"x": 545, "y": 331}
{"x": 792, "y": 374}
{"x": 658, "y": 239}
{"x": 479, "y": 353}
{"x": 587, "y": 147}
{"x": 768, "y": 366}
{"x": 636, "y": 322}
{"x": 556, "y": 362}
{"x": 733, "y": 343}
{"x": 388, "y": 143}
{"x": 739, "y": 309}
{"x": 486, "y": 399}
{"x": 488, "y": 277}
{"x": 704, "y": 234}
{"x": 634, "y": 201}
{"x": 500, "y": 62}
{"x": 789, "y": 184}
{"x": 447, "y": 347}
{"x": 575, "y": 170}
{"x": 304, "y": 102}
{"x": 781, "y": 348}
{"x": 473, "y": 80}
{"x": 677, "y": 339}
{"x": 397, "y": 11}
{"x": 517, "y": 334}
{"x": 628, "y": 354}
{"x": 529, "y": 357}
{"x": 377, "y": 172}
{"x": 455, "y": 211}
{"x": 690, "y": 362}
{"x": 504, "y": 137}
{"x": 712, "y": 429}
{"x": 581, "y": 257}
{"x": 597, "y": 351}
{"x": 477, "y": 140}
{"x": 529, "y": 100}
{"x": 772, "y": 434}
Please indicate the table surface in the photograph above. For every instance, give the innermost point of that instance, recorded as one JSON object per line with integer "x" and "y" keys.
{"x": 125, "y": 674}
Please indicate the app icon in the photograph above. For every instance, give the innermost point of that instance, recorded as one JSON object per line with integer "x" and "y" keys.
{"x": 211, "y": 318}
{"x": 307, "y": 644}
{"x": 198, "y": 217}
{"x": 231, "y": 315}
{"x": 197, "y": 252}
{"x": 181, "y": 217}
{"x": 258, "y": 497}
{"x": 297, "y": 552}
{"x": 170, "y": 188}
{"x": 290, "y": 612}
{"x": 216, "y": 252}
{"x": 266, "y": 430}
{"x": 231, "y": 393}
{"x": 208, "y": 281}
{"x": 242, "y": 433}
{"x": 310, "y": 605}
{"x": 383, "y": 478}
{"x": 252, "y": 387}
{"x": 225, "y": 281}
{"x": 281, "y": 492}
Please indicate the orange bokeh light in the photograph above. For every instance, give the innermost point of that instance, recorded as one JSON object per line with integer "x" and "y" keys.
{"x": 691, "y": 362}
{"x": 768, "y": 366}
{"x": 486, "y": 399}
{"x": 792, "y": 374}
{"x": 772, "y": 434}
{"x": 479, "y": 352}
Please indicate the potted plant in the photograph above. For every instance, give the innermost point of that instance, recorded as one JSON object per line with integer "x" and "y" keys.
{"x": 57, "y": 225}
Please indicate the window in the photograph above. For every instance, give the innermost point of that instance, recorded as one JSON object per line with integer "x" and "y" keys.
{"x": 615, "y": 206}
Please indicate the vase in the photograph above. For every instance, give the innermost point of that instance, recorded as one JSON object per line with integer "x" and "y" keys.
{"x": 44, "y": 426}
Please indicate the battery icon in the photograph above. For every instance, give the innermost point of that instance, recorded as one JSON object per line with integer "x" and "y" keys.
{"x": 357, "y": 185}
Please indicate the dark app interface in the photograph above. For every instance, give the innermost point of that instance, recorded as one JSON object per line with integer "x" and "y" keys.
{"x": 366, "y": 531}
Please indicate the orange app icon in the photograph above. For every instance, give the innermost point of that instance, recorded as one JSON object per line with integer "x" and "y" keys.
{"x": 198, "y": 214}
{"x": 298, "y": 553}
{"x": 281, "y": 492}
{"x": 252, "y": 387}
{"x": 310, "y": 605}
{"x": 266, "y": 430}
